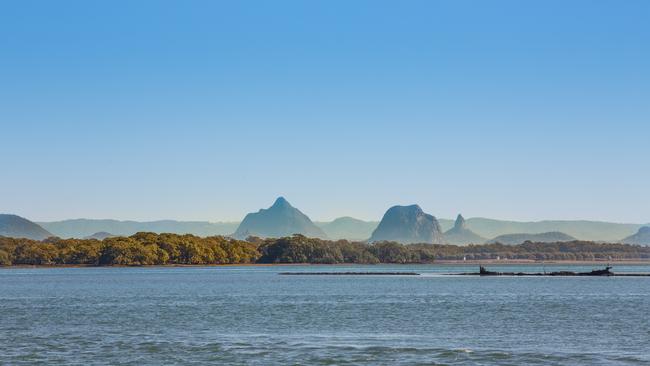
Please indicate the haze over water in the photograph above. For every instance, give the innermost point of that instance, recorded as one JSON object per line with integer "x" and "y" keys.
{"x": 252, "y": 315}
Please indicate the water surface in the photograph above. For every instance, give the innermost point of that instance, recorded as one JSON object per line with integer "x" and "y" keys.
{"x": 252, "y": 315}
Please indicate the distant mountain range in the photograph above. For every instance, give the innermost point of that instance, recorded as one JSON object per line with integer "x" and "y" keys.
{"x": 17, "y": 227}
{"x": 583, "y": 230}
{"x": 281, "y": 219}
{"x": 455, "y": 231}
{"x": 408, "y": 224}
{"x": 550, "y": 237}
{"x": 81, "y": 228}
{"x": 346, "y": 228}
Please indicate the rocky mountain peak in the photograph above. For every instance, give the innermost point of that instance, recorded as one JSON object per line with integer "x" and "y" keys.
{"x": 279, "y": 220}
{"x": 642, "y": 237}
{"x": 460, "y": 234}
{"x": 460, "y": 222}
{"x": 281, "y": 202}
{"x": 408, "y": 224}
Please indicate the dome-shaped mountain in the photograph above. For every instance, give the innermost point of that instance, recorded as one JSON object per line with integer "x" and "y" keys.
{"x": 461, "y": 235}
{"x": 642, "y": 237}
{"x": 408, "y": 224}
{"x": 13, "y": 226}
{"x": 277, "y": 221}
{"x": 515, "y": 239}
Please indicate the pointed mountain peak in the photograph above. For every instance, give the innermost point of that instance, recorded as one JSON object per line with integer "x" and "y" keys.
{"x": 278, "y": 221}
{"x": 460, "y": 234}
{"x": 460, "y": 222}
{"x": 281, "y": 202}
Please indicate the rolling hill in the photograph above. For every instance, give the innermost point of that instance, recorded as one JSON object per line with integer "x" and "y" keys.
{"x": 348, "y": 228}
{"x": 550, "y": 237}
{"x": 81, "y": 228}
{"x": 14, "y": 226}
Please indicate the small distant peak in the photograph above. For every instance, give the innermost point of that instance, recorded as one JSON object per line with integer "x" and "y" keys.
{"x": 281, "y": 202}
{"x": 100, "y": 235}
{"x": 460, "y": 222}
{"x": 345, "y": 219}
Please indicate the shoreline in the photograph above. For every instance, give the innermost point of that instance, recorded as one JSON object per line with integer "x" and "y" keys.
{"x": 450, "y": 262}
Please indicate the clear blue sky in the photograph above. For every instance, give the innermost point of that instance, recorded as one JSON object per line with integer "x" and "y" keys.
{"x": 208, "y": 110}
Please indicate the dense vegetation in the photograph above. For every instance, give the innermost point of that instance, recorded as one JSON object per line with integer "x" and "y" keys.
{"x": 162, "y": 249}
{"x": 298, "y": 249}
{"x": 138, "y": 249}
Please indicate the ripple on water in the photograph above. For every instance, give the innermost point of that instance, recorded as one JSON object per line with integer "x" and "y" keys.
{"x": 254, "y": 317}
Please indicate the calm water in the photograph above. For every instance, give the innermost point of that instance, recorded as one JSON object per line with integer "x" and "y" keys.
{"x": 252, "y": 315}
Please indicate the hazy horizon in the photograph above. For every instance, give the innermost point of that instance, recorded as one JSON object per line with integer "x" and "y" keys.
{"x": 316, "y": 220}
{"x": 146, "y": 111}
{"x": 217, "y": 221}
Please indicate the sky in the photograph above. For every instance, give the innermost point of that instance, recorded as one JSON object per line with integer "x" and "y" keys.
{"x": 207, "y": 110}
